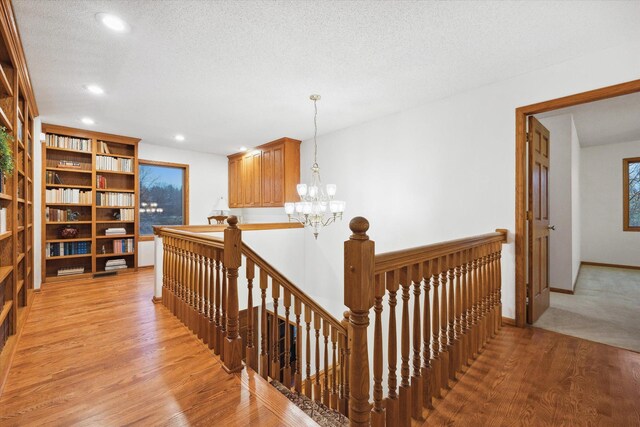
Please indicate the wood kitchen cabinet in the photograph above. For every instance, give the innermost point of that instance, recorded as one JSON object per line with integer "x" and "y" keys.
{"x": 266, "y": 176}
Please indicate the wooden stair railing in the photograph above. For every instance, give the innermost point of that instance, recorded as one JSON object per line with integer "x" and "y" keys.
{"x": 450, "y": 307}
{"x": 449, "y": 295}
{"x": 200, "y": 286}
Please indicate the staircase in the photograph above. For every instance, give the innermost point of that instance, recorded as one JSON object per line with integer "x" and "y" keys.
{"x": 450, "y": 308}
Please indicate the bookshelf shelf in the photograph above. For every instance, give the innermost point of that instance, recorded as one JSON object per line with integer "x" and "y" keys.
{"x": 20, "y": 257}
{"x": 64, "y": 146}
{"x": 20, "y": 285}
{"x": 5, "y": 271}
{"x": 5, "y": 235}
{"x": 6, "y": 309}
{"x": 4, "y": 196}
{"x": 5, "y": 86}
{"x": 5, "y": 120}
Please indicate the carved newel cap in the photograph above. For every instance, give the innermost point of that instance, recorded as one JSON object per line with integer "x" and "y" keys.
{"x": 359, "y": 226}
{"x": 232, "y": 221}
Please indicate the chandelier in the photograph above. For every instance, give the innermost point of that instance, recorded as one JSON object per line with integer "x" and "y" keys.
{"x": 316, "y": 207}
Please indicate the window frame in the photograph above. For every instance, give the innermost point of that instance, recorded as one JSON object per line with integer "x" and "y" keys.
{"x": 185, "y": 192}
{"x": 625, "y": 193}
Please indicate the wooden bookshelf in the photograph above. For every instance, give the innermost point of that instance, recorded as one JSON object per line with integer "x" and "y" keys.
{"x": 93, "y": 218}
{"x": 17, "y": 111}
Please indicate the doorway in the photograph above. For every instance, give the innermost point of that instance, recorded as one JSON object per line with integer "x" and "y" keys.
{"x": 523, "y": 216}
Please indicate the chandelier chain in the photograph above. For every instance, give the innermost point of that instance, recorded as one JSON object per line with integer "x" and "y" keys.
{"x": 315, "y": 133}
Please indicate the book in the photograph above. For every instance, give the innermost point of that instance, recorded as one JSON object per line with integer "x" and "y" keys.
{"x": 112, "y": 231}
{"x": 3, "y": 220}
{"x": 68, "y": 271}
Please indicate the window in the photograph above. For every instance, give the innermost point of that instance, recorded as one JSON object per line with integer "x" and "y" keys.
{"x": 164, "y": 195}
{"x": 631, "y": 193}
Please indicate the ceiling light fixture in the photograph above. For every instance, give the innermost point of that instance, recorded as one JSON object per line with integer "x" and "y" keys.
{"x": 112, "y": 22}
{"x": 243, "y": 148}
{"x": 179, "y": 137}
{"x": 95, "y": 89}
{"x": 316, "y": 207}
{"x": 88, "y": 121}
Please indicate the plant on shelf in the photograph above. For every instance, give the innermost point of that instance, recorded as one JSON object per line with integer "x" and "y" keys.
{"x": 6, "y": 155}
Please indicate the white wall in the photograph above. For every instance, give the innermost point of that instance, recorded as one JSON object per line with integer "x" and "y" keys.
{"x": 576, "y": 208}
{"x": 601, "y": 178}
{"x": 37, "y": 204}
{"x": 445, "y": 169}
{"x": 207, "y": 182}
{"x": 560, "y": 209}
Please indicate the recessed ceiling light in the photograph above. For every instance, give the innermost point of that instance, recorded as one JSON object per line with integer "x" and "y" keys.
{"x": 95, "y": 89}
{"x": 179, "y": 137}
{"x": 243, "y": 148}
{"x": 88, "y": 121}
{"x": 112, "y": 22}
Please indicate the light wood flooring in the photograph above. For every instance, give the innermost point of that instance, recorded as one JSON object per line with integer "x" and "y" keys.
{"x": 533, "y": 377}
{"x": 101, "y": 353}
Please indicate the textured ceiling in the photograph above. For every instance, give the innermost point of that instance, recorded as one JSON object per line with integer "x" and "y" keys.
{"x": 609, "y": 121}
{"x": 227, "y": 74}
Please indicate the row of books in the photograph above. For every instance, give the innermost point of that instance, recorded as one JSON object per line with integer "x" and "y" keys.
{"x": 103, "y": 148}
{"x": 67, "y": 142}
{"x": 67, "y": 248}
{"x": 115, "y": 264}
{"x": 68, "y": 195}
{"x": 3, "y": 220}
{"x": 101, "y": 181}
{"x": 52, "y": 177}
{"x": 127, "y": 215}
{"x": 60, "y": 215}
{"x": 114, "y": 164}
{"x": 123, "y": 246}
{"x": 70, "y": 271}
{"x": 115, "y": 199}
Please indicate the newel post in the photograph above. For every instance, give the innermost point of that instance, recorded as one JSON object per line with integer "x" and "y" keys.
{"x": 358, "y": 296}
{"x": 232, "y": 261}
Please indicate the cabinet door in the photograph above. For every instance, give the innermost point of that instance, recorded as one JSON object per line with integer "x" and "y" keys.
{"x": 251, "y": 172}
{"x": 235, "y": 183}
{"x": 273, "y": 176}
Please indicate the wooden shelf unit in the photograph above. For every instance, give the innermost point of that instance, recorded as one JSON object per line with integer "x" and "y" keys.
{"x": 17, "y": 111}
{"x": 93, "y": 219}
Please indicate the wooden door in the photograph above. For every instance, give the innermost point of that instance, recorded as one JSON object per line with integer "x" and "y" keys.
{"x": 273, "y": 176}
{"x": 235, "y": 183}
{"x": 251, "y": 174}
{"x": 538, "y": 220}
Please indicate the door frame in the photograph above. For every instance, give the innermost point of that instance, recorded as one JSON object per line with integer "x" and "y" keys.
{"x": 521, "y": 173}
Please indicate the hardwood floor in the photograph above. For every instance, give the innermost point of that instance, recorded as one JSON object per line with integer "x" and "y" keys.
{"x": 101, "y": 353}
{"x": 534, "y": 377}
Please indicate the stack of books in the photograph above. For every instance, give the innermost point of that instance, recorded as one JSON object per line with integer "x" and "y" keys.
{"x": 53, "y": 178}
{"x": 113, "y": 231}
{"x": 69, "y": 164}
{"x": 68, "y": 271}
{"x": 115, "y": 264}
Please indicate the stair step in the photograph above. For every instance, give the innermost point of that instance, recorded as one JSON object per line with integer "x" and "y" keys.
{"x": 321, "y": 414}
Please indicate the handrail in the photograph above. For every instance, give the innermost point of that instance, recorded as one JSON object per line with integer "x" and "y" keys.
{"x": 218, "y": 228}
{"x": 295, "y": 291}
{"x": 396, "y": 259}
{"x": 191, "y": 237}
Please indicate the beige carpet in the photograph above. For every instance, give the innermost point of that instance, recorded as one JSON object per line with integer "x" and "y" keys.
{"x": 604, "y": 308}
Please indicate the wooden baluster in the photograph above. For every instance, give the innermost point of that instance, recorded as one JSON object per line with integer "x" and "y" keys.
{"x": 166, "y": 245}
{"x": 175, "y": 277}
{"x": 196, "y": 275}
{"x": 178, "y": 278}
{"x": 359, "y": 290}
{"x": 405, "y": 373}
{"x": 451, "y": 315}
{"x": 286, "y": 301}
{"x": 464, "y": 355}
{"x": 392, "y": 404}
{"x": 343, "y": 405}
{"x": 183, "y": 281}
{"x": 250, "y": 272}
{"x": 499, "y": 274}
{"x": 483, "y": 295}
{"x": 223, "y": 313}
{"x": 165, "y": 276}
{"x": 297, "y": 310}
{"x": 217, "y": 343}
{"x": 334, "y": 369}
{"x": 416, "y": 378}
{"x": 307, "y": 384}
{"x": 476, "y": 305}
{"x": 264, "y": 350}
{"x": 444, "y": 342}
{"x": 275, "y": 332}
{"x": 188, "y": 315}
{"x": 326, "y": 330}
{"x": 454, "y": 322}
{"x": 203, "y": 295}
{"x": 492, "y": 283}
{"x": 437, "y": 361}
{"x": 211, "y": 303}
{"x": 317, "y": 387}
{"x": 232, "y": 261}
{"x": 427, "y": 390}
{"x": 377, "y": 413}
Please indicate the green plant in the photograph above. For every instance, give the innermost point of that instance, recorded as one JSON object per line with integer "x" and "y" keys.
{"x": 6, "y": 154}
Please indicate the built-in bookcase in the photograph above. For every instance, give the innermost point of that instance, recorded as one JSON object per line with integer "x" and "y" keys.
{"x": 90, "y": 183}
{"x": 17, "y": 111}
